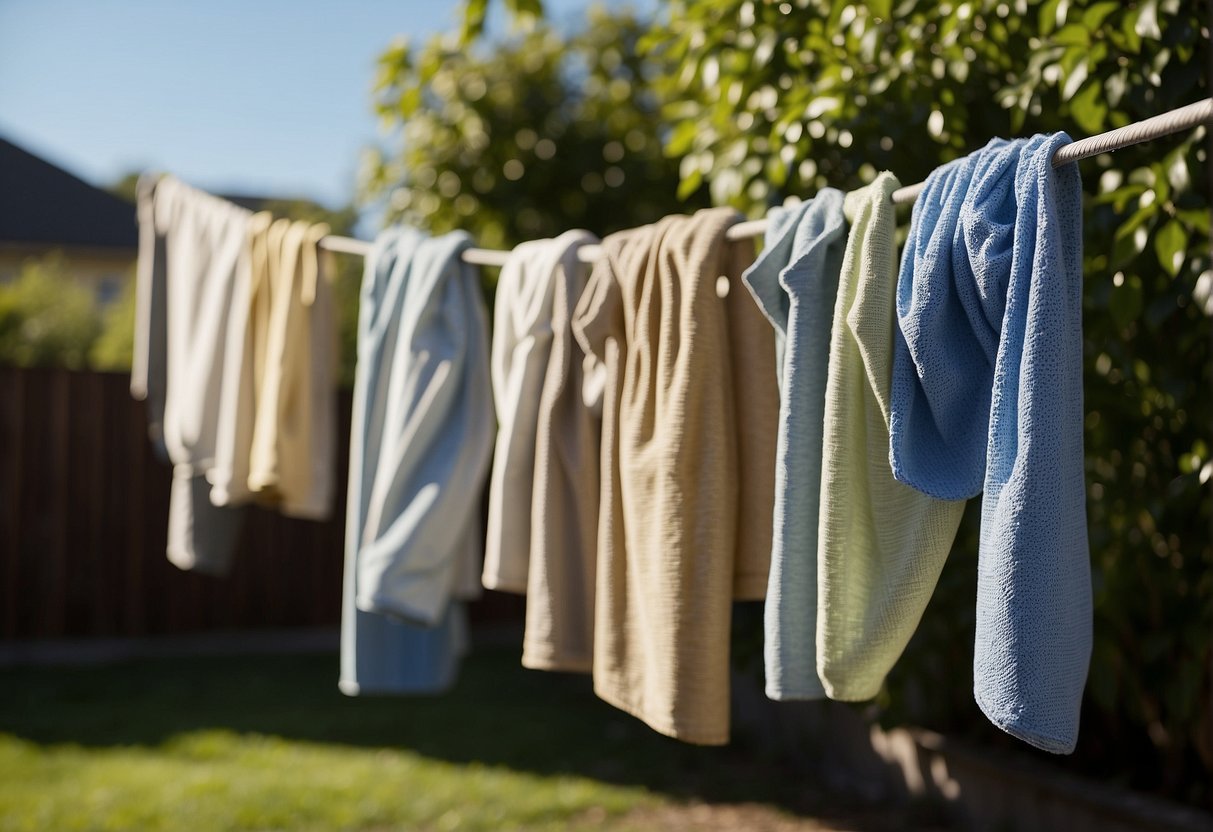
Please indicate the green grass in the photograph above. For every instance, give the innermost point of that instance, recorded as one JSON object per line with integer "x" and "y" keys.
{"x": 269, "y": 743}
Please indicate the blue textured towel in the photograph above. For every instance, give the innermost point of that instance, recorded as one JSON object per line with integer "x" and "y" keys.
{"x": 795, "y": 281}
{"x": 987, "y": 394}
{"x": 420, "y": 439}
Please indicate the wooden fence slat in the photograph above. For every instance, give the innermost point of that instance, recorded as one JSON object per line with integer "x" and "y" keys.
{"x": 84, "y": 517}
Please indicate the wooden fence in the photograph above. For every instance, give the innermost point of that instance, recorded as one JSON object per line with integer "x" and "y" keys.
{"x": 83, "y": 522}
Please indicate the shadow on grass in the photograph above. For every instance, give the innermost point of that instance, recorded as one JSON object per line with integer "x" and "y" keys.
{"x": 498, "y": 714}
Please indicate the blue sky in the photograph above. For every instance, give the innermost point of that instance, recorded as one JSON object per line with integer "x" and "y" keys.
{"x": 261, "y": 96}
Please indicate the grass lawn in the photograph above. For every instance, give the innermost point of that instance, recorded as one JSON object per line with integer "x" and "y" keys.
{"x": 268, "y": 743}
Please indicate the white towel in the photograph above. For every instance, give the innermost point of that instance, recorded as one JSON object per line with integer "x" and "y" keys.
{"x": 191, "y": 268}
{"x": 522, "y": 346}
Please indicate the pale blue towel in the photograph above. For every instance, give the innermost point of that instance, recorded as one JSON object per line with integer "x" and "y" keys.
{"x": 795, "y": 281}
{"x": 987, "y": 394}
{"x": 420, "y": 439}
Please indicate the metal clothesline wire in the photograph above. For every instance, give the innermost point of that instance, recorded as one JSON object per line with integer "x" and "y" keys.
{"x": 1174, "y": 121}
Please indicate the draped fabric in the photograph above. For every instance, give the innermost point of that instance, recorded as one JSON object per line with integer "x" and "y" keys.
{"x": 881, "y": 544}
{"x": 191, "y": 270}
{"x": 563, "y": 505}
{"x": 523, "y": 339}
{"x": 987, "y": 397}
{"x": 795, "y": 280}
{"x": 277, "y": 427}
{"x": 420, "y": 442}
{"x": 689, "y": 419}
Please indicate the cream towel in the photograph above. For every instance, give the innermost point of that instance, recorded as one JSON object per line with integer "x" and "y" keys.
{"x": 522, "y": 344}
{"x": 191, "y": 268}
{"x": 564, "y": 509}
{"x": 277, "y": 428}
{"x": 229, "y": 475}
{"x": 671, "y": 550}
{"x": 291, "y": 452}
{"x": 881, "y": 544}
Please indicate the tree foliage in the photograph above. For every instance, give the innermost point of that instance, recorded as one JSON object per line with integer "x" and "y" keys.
{"x": 47, "y": 318}
{"x": 524, "y": 138}
{"x": 114, "y": 348}
{"x": 776, "y": 99}
{"x": 764, "y": 100}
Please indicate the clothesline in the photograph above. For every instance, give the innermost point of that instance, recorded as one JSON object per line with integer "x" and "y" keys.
{"x": 1165, "y": 124}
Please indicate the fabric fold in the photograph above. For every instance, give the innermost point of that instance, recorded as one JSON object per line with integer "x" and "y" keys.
{"x": 420, "y": 440}
{"x": 671, "y": 551}
{"x": 881, "y": 544}
{"x": 276, "y": 431}
{"x": 795, "y": 281}
{"x": 521, "y": 350}
{"x": 563, "y": 500}
{"x": 987, "y": 396}
{"x": 191, "y": 267}
{"x": 291, "y": 449}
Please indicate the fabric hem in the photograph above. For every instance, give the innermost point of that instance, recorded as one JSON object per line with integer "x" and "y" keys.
{"x": 552, "y": 660}
{"x": 499, "y": 584}
{"x": 661, "y": 726}
{"x": 851, "y": 694}
{"x": 1004, "y": 722}
{"x": 784, "y": 694}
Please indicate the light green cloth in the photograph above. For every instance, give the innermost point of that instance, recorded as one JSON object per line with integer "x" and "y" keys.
{"x": 881, "y": 544}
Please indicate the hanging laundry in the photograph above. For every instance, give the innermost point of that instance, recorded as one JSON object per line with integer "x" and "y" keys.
{"x": 543, "y": 497}
{"x": 420, "y": 441}
{"x": 794, "y": 281}
{"x": 191, "y": 267}
{"x": 881, "y": 544}
{"x": 987, "y": 397}
{"x": 689, "y": 419}
{"x": 521, "y": 350}
{"x": 277, "y": 431}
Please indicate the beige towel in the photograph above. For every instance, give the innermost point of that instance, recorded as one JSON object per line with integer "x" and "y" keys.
{"x": 690, "y": 386}
{"x": 291, "y": 455}
{"x": 564, "y": 508}
{"x": 277, "y": 438}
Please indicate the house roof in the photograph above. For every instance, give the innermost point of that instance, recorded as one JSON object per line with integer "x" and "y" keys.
{"x": 44, "y": 204}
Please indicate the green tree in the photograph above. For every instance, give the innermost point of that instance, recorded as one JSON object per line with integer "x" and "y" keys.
{"x": 46, "y": 317}
{"x": 769, "y": 99}
{"x": 525, "y": 137}
{"x": 785, "y": 98}
{"x": 115, "y": 345}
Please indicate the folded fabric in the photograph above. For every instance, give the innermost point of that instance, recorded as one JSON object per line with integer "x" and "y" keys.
{"x": 564, "y": 499}
{"x": 420, "y": 439}
{"x": 521, "y": 348}
{"x": 987, "y": 396}
{"x": 671, "y": 551}
{"x": 191, "y": 268}
{"x": 277, "y": 428}
{"x": 794, "y": 281}
{"x": 229, "y": 474}
{"x": 881, "y": 544}
{"x": 291, "y": 456}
